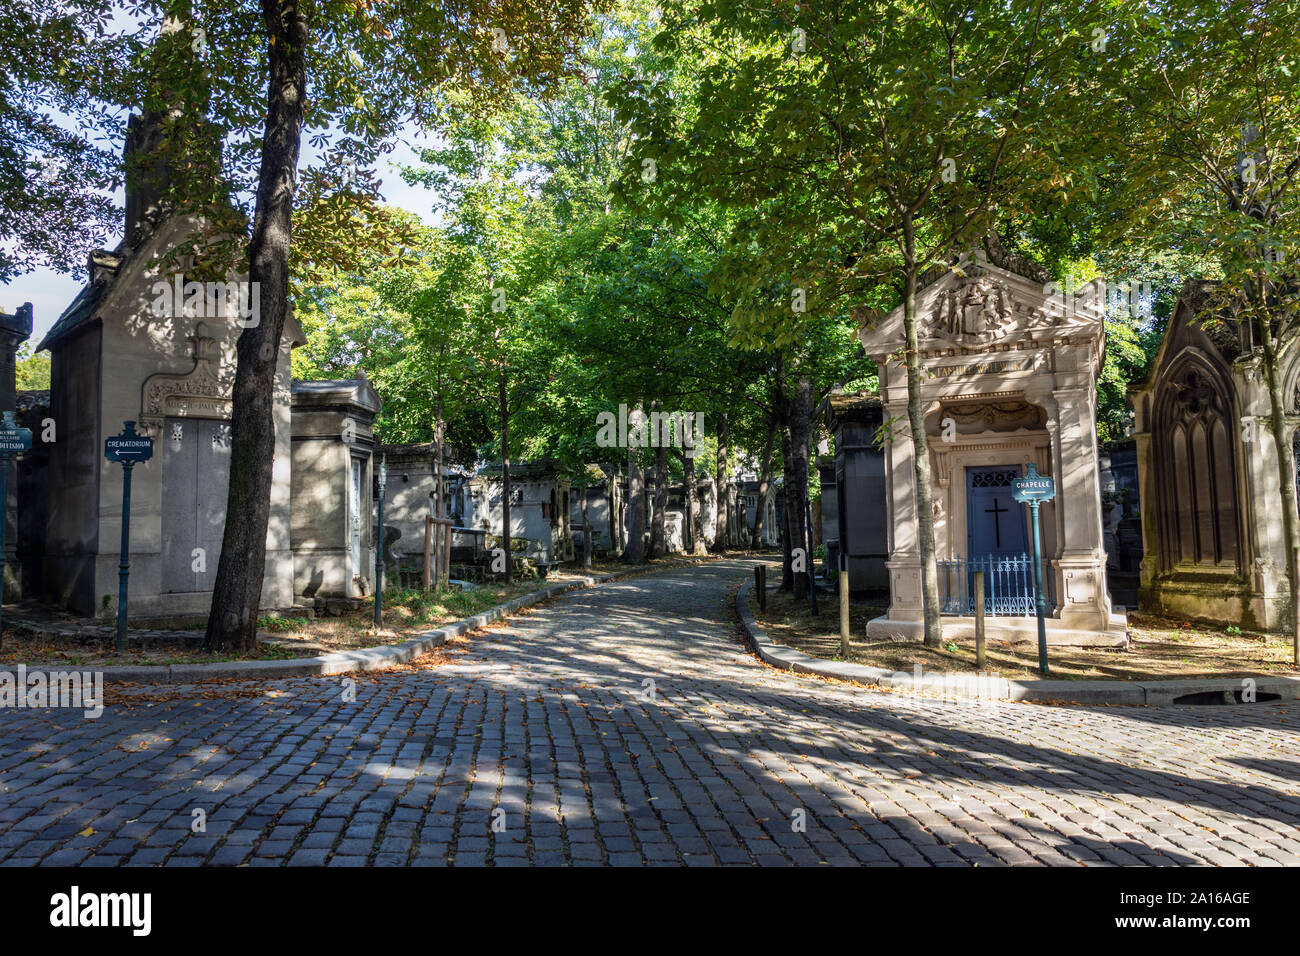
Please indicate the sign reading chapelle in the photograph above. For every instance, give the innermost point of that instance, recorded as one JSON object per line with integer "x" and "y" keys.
{"x": 1009, "y": 377}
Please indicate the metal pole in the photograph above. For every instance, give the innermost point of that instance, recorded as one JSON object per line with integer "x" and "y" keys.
{"x": 1038, "y": 594}
{"x": 124, "y": 565}
{"x": 979, "y": 620}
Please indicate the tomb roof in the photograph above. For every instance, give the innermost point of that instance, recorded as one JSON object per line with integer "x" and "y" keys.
{"x": 847, "y": 403}
{"x": 844, "y": 407}
{"x": 344, "y": 391}
{"x": 81, "y": 310}
{"x": 20, "y": 322}
{"x": 421, "y": 453}
{"x": 540, "y": 468}
{"x": 151, "y": 162}
{"x": 1186, "y": 326}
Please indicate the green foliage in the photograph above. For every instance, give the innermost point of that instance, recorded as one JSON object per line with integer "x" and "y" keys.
{"x": 58, "y": 164}
{"x": 829, "y": 131}
{"x": 31, "y": 372}
{"x": 426, "y": 606}
{"x": 276, "y": 623}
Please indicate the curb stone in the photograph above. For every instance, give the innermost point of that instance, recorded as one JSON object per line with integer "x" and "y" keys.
{"x": 338, "y": 662}
{"x": 1094, "y": 692}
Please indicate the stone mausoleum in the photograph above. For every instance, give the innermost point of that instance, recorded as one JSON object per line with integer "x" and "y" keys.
{"x": 539, "y": 508}
{"x": 332, "y": 501}
{"x": 1212, "y": 539}
{"x": 1009, "y": 379}
{"x": 147, "y": 342}
{"x": 113, "y": 358}
{"x": 856, "y": 521}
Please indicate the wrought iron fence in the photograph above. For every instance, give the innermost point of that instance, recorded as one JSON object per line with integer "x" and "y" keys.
{"x": 1008, "y": 585}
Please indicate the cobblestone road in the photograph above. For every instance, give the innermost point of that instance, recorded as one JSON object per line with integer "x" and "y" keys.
{"x": 625, "y": 725}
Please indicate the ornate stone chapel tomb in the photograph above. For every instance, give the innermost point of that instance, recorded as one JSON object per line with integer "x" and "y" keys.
{"x": 1009, "y": 379}
{"x": 1213, "y": 544}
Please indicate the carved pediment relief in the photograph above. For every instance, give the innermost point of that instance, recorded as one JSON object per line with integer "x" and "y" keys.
{"x": 979, "y": 310}
{"x": 194, "y": 394}
{"x": 985, "y": 309}
{"x": 975, "y": 309}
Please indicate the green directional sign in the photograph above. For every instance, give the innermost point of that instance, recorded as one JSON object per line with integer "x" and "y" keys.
{"x": 1033, "y": 486}
{"x": 128, "y": 446}
{"x": 13, "y": 440}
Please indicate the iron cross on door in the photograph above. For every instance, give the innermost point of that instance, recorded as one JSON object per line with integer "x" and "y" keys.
{"x": 995, "y": 511}
{"x": 994, "y": 523}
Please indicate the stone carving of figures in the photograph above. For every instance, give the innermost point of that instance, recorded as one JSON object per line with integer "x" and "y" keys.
{"x": 979, "y": 315}
{"x": 974, "y": 309}
{"x": 947, "y": 314}
{"x": 943, "y": 315}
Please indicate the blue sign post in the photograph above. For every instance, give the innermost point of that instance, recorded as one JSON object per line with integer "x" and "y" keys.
{"x": 126, "y": 448}
{"x": 13, "y": 441}
{"x": 1033, "y": 489}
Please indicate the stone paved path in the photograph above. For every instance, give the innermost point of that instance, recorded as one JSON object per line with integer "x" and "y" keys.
{"x": 626, "y": 725}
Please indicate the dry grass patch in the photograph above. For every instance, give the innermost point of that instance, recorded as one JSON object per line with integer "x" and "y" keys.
{"x": 1160, "y": 648}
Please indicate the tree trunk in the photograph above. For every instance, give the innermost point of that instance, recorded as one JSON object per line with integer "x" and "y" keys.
{"x": 658, "y": 532}
{"x": 503, "y": 410}
{"x": 724, "y": 454}
{"x": 634, "y": 552}
{"x": 439, "y": 501}
{"x": 787, "y": 547}
{"x": 920, "y": 448}
{"x": 812, "y": 561}
{"x": 764, "y": 479}
{"x": 237, "y": 590}
{"x": 611, "y": 508}
{"x": 432, "y": 576}
{"x": 691, "y": 539}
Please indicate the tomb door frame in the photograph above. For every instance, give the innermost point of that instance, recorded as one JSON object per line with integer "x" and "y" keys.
{"x": 1180, "y": 529}
{"x": 355, "y": 523}
{"x": 955, "y": 461}
{"x": 1261, "y": 537}
{"x": 985, "y": 449}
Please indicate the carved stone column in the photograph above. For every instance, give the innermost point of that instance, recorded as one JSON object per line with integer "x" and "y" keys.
{"x": 1080, "y": 572}
{"x": 904, "y": 564}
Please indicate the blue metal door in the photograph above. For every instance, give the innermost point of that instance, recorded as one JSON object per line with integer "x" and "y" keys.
{"x": 995, "y": 523}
